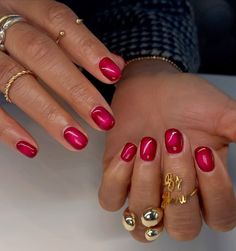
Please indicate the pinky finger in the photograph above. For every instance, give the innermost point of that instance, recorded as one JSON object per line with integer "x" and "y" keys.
{"x": 116, "y": 179}
{"x": 13, "y": 135}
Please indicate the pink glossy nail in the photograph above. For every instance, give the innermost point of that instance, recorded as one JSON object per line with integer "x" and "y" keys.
{"x": 128, "y": 152}
{"x": 173, "y": 141}
{"x": 103, "y": 118}
{"x": 109, "y": 69}
{"x": 75, "y": 138}
{"x": 205, "y": 159}
{"x": 148, "y": 149}
{"x": 27, "y": 149}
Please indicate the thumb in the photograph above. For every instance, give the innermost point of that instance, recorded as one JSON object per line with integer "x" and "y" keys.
{"x": 226, "y": 125}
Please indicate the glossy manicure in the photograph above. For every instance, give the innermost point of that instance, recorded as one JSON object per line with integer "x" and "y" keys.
{"x": 205, "y": 159}
{"x": 174, "y": 141}
{"x": 102, "y": 118}
{"x": 75, "y": 138}
{"x": 128, "y": 152}
{"x": 148, "y": 149}
{"x": 109, "y": 69}
{"x": 27, "y": 149}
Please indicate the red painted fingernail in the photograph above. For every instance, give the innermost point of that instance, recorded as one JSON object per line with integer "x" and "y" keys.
{"x": 128, "y": 152}
{"x": 75, "y": 138}
{"x": 174, "y": 141}
{"x": 148, "y": 149}
{"x": 27, "y": 149}
{"x": 109, "y": 69}
{"x": 102, "y": 118}
{"x": 205, "y": 159}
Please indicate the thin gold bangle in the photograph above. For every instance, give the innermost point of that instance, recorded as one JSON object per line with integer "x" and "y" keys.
{"x": 155, "y": 58}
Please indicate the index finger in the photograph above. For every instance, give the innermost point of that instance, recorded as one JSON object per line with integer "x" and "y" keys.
{"x": 83, "y": 47}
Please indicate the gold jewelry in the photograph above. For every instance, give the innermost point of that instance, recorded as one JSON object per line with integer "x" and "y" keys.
{"x": 152, "y": 234}
{"x": 182, "y": 199}
{"x": 129, "y": 220}
{"x": 62, "y": 33}
{"x": 172, "y": 183}
{"x": 151, "y": 217}
{"x": 11, "y": 81}
{"x": 79, "y": 21}
{"x": 155, "y": 58}
{"x": 5, "y": 23}
{"x": 60, "y": 36}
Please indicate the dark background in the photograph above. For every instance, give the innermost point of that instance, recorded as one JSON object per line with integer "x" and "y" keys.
{"x": 216, "y": 21}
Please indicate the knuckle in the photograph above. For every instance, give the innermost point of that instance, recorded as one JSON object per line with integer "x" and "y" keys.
{"x": 183, "y": 228}
{"x": 87, "y": 45}
{"x": 223, "y": 223}
{"x": 183, "y": 234}
{"x": 80, "y": 94}
{"x": 49, "y": 112}
{"x": 108, "y": 204}
{"x": 57, "y": 13}
{"x": 38, "y": 47}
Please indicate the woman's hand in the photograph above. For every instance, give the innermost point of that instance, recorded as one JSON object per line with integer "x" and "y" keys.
{"x": 31, "y": 45}
{"x": 151, "y": 99}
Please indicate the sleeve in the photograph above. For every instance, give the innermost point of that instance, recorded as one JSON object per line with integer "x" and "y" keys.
{"x": 140, "y": 28}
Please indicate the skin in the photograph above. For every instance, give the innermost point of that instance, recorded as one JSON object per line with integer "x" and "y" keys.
{"x": 151, "y": 98}
{"x": 32, "y": 45}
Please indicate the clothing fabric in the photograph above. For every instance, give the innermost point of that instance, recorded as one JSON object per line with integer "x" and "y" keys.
{"x": 139, "y": 28}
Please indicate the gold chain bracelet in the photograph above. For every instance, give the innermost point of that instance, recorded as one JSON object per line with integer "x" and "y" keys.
{"x": 155, "y": 58}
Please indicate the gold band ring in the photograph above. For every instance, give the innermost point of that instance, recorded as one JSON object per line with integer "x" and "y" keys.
{"x": 11, "y": 81}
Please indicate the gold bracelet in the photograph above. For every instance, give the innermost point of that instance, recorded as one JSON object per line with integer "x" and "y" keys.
{"x": 155, "y": 58}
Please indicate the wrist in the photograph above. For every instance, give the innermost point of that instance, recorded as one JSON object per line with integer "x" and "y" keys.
{"x": 148, "y": 67}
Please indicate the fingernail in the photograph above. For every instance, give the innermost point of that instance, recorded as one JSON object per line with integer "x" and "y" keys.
{"x": 109, "y": 69}
{"x": 102, "y": 118}
{"x": 128, "y": 152}
{"x": 173, "y": 141}
{"x": 148, "y": 149}
{"x": 205, "y": 159}
{"x": 75, "y": 138}
{"x": 27, "y": 149}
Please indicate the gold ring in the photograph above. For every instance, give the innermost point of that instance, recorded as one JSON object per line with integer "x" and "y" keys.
{"x": 174, "y": 183}
{"x": 151, "y": 217}
{"x": 60, "y": 36}
{"x": 129, "y": 220}
{"x": 79, "y": 21}
{"x": 11, "y": 81}
{"x": 62, "y": 33}
{"x": 151, "y": 234}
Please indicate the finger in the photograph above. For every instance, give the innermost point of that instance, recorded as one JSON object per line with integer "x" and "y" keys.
{"x": 116, "y": 179}
{"x": 28, "y": 95}
{"x": 12, "y": 134}
{"x": 40, "y": 54}
{"x": 79, "y": 42}
{"x": 218, "y": 199}
{"x": 182, "y": 221}
{"x": 145, "y": 184}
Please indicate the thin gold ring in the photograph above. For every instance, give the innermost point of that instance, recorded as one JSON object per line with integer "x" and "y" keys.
{"x": 11, "y": 82}
{"x": 62, "y": 33}
{"x": 79, "y": 21}
{"x": 60, "y": 36}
